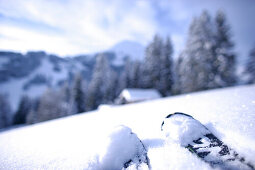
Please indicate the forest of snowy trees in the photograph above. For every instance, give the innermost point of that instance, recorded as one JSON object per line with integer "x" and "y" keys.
{"x": 208, "y": 61}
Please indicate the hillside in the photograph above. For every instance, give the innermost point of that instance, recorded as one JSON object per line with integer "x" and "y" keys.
{"x": 78, "y": 142}
{"x": 33, "y": 72}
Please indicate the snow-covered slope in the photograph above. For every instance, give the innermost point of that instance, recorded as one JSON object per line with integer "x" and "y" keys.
{"x": 15, "y": 88}
{"x": 33, "y": 73}
{"x": 79, "y": 142}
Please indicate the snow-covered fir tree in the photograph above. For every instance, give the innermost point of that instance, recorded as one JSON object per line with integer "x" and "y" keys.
{"x": 32, "y": 114}
{"x": 50, "y": 106}
{"x": 166, "y": 70}
{"x": 66, "y": 91}
{"x": 151, "y": 68}
{"x": 101, "y": 88}
{"x": 24, "y": 108}
{"x": 250, "y": 66}
{"x": 130, "y": 77}
{"x": 78, "y": 95}
{"x": 110, "y": 90}
{"x": 66, "y": 95}
{"x": 124, "y": 79}
{"x": 5, "y": 111}
{"x": 196, "y": 69}
{"x": 135, "y": 74}
{"x": 225, "y": 62}
{"x": 179, "y": 71}
{"x": 157, "y": 68}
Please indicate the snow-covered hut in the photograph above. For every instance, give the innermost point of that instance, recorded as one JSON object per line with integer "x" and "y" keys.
{"x": 136, "y": 95}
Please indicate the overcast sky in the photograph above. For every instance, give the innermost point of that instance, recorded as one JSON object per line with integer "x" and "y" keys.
{"x": 68, "y": 27}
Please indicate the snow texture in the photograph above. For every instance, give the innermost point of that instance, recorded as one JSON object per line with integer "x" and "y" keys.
{"x": 183, "y": 129}
{"x": 82, "y": 141}
{"x": 120, "y": 146}
{"x": 15, "y": 87}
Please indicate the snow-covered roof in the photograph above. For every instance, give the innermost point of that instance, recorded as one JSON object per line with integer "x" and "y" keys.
{"x": 133, "y": 95}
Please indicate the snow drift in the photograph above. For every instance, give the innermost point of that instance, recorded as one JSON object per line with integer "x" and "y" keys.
{"x": 73, "y": 142}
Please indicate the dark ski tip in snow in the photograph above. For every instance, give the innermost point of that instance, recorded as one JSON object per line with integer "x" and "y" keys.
{"x": 191, "y": 134}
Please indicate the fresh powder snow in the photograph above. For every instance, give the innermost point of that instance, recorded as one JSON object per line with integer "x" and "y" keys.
{"x": 85, "y": 140}
{"x": 183, "y": 129}
{"x": 118, "y": 148}
{"x": 15, "y": 87}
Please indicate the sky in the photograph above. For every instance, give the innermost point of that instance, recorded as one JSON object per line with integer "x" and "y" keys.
{"x": 70, "y": 27}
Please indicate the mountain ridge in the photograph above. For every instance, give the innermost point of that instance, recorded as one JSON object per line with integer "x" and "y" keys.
{"x": 32, "y": 73}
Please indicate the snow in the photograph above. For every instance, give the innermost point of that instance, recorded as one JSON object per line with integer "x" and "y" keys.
{"x": 105, "y": 106}
{"x": 134, "y": 95}
{"x": 47, "y": 70}
{"x": 14, "y": 87}
{"x": 78, "y": 142}
{"x": 119, "y": 147}
{"x": 183, "y": 129}
{"x": 172, "y": 156}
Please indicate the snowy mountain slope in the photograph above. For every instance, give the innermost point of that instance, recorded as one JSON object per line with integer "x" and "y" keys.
{"x": 23, "y": 73}
{"x": 49, "y": 71}
{"x": 78, "y": 142}
{"x": 17, "y": 87}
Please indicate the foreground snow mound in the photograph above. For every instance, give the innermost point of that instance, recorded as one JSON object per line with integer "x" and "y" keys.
{"x": 172, "y": 156}
{"x": 122, "y": 149}
{"x": 183, "y": 129}
{"x": 82, "y": 141}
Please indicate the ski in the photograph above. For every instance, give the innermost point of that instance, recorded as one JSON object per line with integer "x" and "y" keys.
{"x": 140, "y": 161}
{"x": 123, "y": 150}
{"x": 199, "y": 140}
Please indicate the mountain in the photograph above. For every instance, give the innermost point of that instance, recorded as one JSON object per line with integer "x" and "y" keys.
{"x": 81, "y": 141}
{"x": 32, "y": 73}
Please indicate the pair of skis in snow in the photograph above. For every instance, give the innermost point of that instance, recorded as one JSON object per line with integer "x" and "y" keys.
{"x": 195, "y": 137}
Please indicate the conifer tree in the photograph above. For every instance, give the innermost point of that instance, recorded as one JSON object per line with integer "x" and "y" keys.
{"x": 130, "y": 77}
{"x": 32, "y": 114}
{"x": 50, "y": 106}
{"x": 157, "y": 71}
{"x": 78, "y": 103}
{"x": 250, "y": 67}
{"x": 225, "y": 63}
{"x": 23, "y": 109}
{"x": 124, "y": 80}
{"x": 110, "y": 88}
{"x": 101, "y": 88}
{"x": 166, "y": 70}
{"x": 197, "y": 68}
{"x": 178, "y": 78}
{"x": 151, "y": 69}
{"x": 5, "y": 111}
{"x": 135, "y": 74}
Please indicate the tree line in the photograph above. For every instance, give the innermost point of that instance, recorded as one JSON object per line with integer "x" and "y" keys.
{"x": 208, "y": 61}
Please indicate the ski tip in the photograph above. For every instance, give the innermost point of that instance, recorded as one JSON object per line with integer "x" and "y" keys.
{"x": 173, "y": 114}
{"x": 178, "y": 113}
